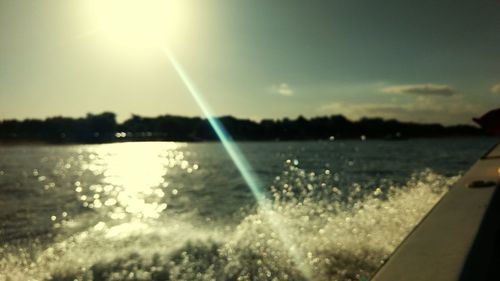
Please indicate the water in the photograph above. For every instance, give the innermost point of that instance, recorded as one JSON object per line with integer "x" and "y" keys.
{"x": 177, "y": 211}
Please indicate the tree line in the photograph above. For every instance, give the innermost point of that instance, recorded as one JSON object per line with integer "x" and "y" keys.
{"x": 102, "y": 128}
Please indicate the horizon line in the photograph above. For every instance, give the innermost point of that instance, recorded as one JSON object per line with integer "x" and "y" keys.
{"x": 297, "y": 117}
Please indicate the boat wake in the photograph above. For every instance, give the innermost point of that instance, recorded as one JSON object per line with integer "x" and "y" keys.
{"x": 342, "y": 234}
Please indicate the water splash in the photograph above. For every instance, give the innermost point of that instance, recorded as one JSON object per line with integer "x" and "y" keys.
{"x": 347, "y": 233}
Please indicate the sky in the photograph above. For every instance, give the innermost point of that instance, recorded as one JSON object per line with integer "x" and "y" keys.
{"x": 423, "y": 61}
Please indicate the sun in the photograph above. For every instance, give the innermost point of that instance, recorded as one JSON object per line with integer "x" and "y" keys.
{"x": 130, "y": 24}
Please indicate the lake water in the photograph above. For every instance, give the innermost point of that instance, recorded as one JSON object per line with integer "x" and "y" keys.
{"x": 181, "y": 211}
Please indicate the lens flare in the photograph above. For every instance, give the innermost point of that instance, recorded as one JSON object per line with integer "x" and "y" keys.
{"x": 232, "y": 149}
{"x": 244, "y": 168}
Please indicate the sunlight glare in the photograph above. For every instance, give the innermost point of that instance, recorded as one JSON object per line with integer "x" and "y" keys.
{"x": 131, "y": 25}
{"x": 134, "y": 177}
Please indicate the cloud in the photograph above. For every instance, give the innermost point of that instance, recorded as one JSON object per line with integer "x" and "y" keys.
{"x": 423, "y": 109}
{"x": 283, "y": 89}
{"x": 421, "y": 90}
{"x": 495, "y": 88}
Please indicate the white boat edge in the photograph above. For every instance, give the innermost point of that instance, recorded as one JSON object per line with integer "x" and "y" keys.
{"x": 459, "y": 238}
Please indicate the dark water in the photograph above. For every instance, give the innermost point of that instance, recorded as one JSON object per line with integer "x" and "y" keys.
{"x": 176, "y": 211}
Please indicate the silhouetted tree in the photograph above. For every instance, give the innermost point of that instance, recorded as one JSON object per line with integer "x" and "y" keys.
{"x": 97, "y": 128}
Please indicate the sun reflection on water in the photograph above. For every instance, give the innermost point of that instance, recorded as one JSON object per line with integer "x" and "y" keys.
{"x": 133, "y": 182}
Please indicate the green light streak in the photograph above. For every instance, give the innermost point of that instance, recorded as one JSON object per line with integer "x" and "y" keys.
{"x": 229, "y": 145}
{"x": 245, "y": 170}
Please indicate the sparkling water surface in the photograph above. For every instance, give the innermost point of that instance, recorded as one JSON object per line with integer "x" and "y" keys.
{"x": 181, "y": 211}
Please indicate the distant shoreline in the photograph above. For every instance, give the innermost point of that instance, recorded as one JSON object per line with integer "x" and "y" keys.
{"x": 103, "y": 128}
{"x": 38, "y": 143}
